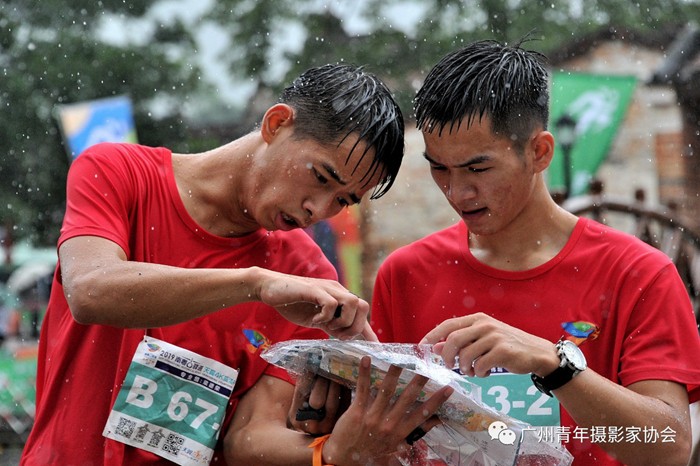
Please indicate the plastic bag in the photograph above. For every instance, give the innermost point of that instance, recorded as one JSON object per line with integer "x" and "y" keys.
{"x": 471, "y": 434}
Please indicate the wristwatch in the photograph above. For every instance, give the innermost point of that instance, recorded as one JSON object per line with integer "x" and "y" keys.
{"x": 573, "y": 362}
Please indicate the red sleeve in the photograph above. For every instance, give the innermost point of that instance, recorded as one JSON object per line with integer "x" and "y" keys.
{"x": 661, "y": 340}
{"x": 98, "y": 195}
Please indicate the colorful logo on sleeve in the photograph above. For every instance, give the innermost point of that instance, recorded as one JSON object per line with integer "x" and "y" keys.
{"x": 580, "y": 331}
{"x": 256, "y": 340}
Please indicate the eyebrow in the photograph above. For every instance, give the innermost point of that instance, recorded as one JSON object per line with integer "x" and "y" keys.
{"x": 473, "y": 161}
{"x": 333, "y": 174}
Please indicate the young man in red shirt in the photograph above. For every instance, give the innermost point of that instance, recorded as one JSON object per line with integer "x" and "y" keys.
{"x": 200, "y": 261}
{"x": 521, "y": 288}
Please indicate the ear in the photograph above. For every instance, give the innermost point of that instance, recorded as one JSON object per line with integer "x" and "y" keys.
{"x": 275, "y": 118}
{"x": 542, "y": 147}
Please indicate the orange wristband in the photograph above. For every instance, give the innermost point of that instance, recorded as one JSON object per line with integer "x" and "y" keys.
{"x": 317, "y": 445}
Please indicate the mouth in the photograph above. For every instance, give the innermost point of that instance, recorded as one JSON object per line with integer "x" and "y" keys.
{"x": 286, "y": 222}
{"x": 473, "y": 212}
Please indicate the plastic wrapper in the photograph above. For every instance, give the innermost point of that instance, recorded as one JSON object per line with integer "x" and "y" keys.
{"x": 471, "y": 434}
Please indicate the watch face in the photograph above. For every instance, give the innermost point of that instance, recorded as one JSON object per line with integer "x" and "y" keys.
{"x": 573, "y": 354}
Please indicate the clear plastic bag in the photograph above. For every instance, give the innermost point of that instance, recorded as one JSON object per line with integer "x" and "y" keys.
{"x": 471, "y": 434}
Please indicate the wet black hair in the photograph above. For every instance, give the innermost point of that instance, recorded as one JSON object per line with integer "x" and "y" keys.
{"x": 507, "y": 84}
{"x": 334, "y": 101}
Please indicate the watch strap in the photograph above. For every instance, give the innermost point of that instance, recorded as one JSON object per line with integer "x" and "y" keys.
{"x": 556, "y": 379}
{"x": 561, "y": 375}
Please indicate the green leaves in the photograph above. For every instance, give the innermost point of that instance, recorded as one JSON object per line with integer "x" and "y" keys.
{"x": 64, "y": 51}
{"x": 52, "y": 53}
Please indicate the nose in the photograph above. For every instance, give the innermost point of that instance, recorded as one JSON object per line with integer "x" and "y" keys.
{"x": 457, "y": 189}
{"x": 320, "y": 207}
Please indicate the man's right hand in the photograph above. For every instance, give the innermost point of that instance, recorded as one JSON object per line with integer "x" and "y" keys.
{"x": 315, "y": 302}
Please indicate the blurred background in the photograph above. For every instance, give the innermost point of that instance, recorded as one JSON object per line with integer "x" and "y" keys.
{"x": 193, "y": 74}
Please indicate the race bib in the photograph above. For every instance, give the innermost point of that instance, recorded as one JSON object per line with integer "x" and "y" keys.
{"x": 172, "y": 403}
{"x": 516, "y": 396}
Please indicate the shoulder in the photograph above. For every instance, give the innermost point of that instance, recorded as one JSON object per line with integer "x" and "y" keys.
{"x": 118, "y": 149}
{"x": 605, "y": 242}
{"x": 445, "y": 242}
{"x": 120, "y": 161}
{"x": 115, "y": 153}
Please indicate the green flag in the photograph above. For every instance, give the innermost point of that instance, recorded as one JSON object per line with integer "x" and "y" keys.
{"x": 597, "y": 105}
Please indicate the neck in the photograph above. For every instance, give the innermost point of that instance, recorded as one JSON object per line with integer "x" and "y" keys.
{"x": 212, "y": 185}
{"x": 536, "y": 236}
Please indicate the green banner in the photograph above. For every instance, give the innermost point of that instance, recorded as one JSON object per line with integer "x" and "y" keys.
{"x": 17, "y": 386}
{"x": 596, "y": 104}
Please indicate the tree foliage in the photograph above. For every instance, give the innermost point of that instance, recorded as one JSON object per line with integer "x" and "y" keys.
{"x": 401, "y": 54}
{"x": 51, "y": 53}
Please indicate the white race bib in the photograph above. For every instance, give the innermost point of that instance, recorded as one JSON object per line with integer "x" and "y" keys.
{"x": 172, "y": 403}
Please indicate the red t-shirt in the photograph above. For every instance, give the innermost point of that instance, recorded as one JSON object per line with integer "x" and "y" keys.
{"x": 127, "y": 194}
{"x": 628, "y": 289}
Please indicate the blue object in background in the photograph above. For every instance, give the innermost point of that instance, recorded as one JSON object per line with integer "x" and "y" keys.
{"x": 102, "y": 120}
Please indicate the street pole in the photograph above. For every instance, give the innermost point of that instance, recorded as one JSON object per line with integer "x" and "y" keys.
{"x": 566, "y": 135}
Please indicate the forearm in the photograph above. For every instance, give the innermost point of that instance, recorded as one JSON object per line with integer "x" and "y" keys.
{"x": 594, "y": 401}
{"x": 140, "y": 295}
{"x": 258, "y": 433}
{"x": 255, "y": 444}
{"x": 482, "y": 343}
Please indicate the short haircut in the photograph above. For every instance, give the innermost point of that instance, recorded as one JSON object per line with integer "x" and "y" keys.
{"x": 332, "y": 102}
{"x": 507, "y": 84}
